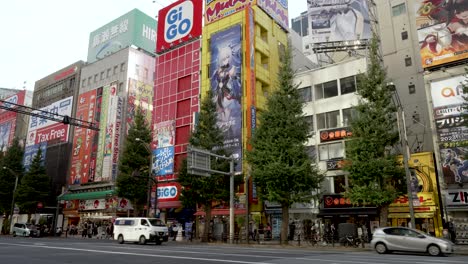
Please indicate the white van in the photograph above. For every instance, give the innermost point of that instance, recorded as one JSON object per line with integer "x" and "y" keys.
{"x": 140, "y": 229}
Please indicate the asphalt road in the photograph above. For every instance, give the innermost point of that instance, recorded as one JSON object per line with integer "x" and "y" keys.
{"x": 59, "y": 250}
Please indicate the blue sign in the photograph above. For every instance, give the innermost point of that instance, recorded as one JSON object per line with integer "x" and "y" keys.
{"x": 31, "y": 151}
{"x": 163, "y": 161}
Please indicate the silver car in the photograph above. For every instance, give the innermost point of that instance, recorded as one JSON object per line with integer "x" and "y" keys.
{"x": 390, "y": 239}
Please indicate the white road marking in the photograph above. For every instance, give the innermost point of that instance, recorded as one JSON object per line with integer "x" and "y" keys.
{"x": 136, "y": 254}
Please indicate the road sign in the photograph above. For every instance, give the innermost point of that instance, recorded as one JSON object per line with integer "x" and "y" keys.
{"x": 198, "y": 161}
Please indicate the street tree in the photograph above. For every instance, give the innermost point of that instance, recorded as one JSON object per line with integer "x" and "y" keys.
{"x": 376, "y": 175}
{"x": 132, "y": 180}
{"x": 206, "y": 190}
{"x": 11, "y": 166}
{"x": 281, "y": 168}
{"x": 34, "y": 187}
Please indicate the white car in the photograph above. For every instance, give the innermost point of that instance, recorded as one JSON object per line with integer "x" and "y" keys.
{"x": 388, "y": 239}
{"x": 140, "y": 229}
{"x": 21, "y": 229}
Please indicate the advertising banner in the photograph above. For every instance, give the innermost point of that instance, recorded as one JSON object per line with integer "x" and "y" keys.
{"x": 217, "y": 9}
{"x": 441, "y": 31}
{"x": 164, "y": 134}
{"x": 339, "y": 20}
{"x": 135, "y": 27}
{"x": 102, "y": 133}
{"x": 140, "y": 95}
{"x": 96, "y": 204}
{"x": 277, "y": 9}
{"x": 168, "y": 191}
{"x": 163, "y": 161}
{"x": 112, "y": 110}
{"x": 225, "y": 79}
{"x": 5, "y": 132}
{"x": 8, "y": 119}
{"x": 457, "y": 197}
{"x": 335, "y": 134}
{"x": 447, "y": 99}
{"x": 30, "y": 153}
{"x": 179, "y": 22}
{"x": 116, "y": 138}
{"x": 43, "y": 130}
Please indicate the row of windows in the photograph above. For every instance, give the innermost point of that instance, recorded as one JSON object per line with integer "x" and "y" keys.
{"x": 54, "y": 90}
{"x": 105, "y": 74}
{"x": 329, "y": 89}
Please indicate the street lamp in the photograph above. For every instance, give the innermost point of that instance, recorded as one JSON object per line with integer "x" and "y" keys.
{"x": 150, "y": 179}
{"x": 14, "y": 191}
{"x": 405, "y": 148}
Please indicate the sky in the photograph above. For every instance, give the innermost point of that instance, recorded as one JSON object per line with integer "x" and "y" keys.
{"x": 42, "y": 37}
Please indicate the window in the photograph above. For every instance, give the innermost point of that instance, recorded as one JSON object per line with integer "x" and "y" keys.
{"x": 102, "y": 75}
{"x": 144, "y": 222}
{"x": 398, "y": 9}
{"x": 408, "y": 62}
{"x": 331, "y": 151}
{"x": 115, "y": 69}
{"x": 412, "y": 88}
{"x": 348, "y": 115}
{"x": 348, "y": 84}
{"x": 122, "y": 67}
{"x": 145, "y": 73}
{"x": 137, "y": 70}
{"x": 310, "y": 121}
{"x": 95, "y": 78}
{"x": 306, "y": 94}
{"x": 121, "y": 87}
{"x": 89, "y": 80}
{"x": 108, "y": 73}
{"x": 311, "y": 152}
{"x": 326, "y": 90}
{"x": 404, "y": 35}
{"x": 83, "y": 82}
{"x": 339, "y": 182}
{"x": 328, "y": 120}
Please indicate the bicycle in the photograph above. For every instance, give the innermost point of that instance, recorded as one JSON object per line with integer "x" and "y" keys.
{"x": 352, "y": 241}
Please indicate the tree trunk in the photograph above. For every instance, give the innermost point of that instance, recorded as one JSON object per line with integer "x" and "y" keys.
{"x": 383, "y": 215}
{"x": 206, "y": 231}
{"x": 284, "y": 224}
{"x": 135, "y": 208}
{"x": 29, "y": 217}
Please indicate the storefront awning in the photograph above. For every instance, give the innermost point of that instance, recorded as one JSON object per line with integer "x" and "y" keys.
{"x": 222, "y": 212}
{"x": 85, "y": 195}
{"x": 363, "y": 211}
{"x": 407, "y": 215}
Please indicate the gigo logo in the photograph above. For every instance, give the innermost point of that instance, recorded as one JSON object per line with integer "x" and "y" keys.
{"x": 178, "y": 22}
{"x": 167, "y": 192}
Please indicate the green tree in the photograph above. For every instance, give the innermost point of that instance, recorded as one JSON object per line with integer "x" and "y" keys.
{"x": 132, "y": 180}
{"x": 281, "y": 167}
{"x": 204, "y": 190}
{"x": 376, "y": 176}
{"x": 12, "y": 160}
{"x": 34, "y": 187}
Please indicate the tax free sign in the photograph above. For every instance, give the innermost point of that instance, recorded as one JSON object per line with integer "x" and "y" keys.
{"x": 179, "y": 22}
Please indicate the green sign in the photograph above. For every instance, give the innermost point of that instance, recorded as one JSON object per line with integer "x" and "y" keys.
{"x": 134, "y": 28}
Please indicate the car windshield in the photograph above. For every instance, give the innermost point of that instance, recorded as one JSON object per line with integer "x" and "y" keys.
{"x": 156, "y": 222}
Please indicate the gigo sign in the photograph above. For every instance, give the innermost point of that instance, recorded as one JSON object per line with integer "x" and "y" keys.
{"x": 182, "y": 21}
{"x": 167, "y": 192}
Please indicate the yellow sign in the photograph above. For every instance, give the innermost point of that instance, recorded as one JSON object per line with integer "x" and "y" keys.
{"x": 425, "y": 199}
{"x": 407, "y": 215}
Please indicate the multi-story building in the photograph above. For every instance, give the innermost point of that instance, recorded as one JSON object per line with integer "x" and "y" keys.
{"x": 117, "y": 78}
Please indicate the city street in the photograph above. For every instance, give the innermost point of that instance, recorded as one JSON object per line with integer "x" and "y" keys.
{"x": 58, "y": 250}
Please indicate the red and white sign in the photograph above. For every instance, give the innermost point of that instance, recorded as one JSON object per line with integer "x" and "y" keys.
{"x": 55, "y": 133}
{"x": 96, "y": 204}
{"x": 179, "y": 22}
{"x": 65, "y": 73}
{"x": 168, "y": 191}
{"x": 8, "y": 119}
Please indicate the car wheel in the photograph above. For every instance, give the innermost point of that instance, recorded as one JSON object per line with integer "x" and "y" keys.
{"x": 381, "y": 248}
{"x": 14, "y": 233}
{"x": 433, "y": 250}
{"x": 120, "y": 239}
{"x": 142, "y": 240}
{"x": 158, "y": 242}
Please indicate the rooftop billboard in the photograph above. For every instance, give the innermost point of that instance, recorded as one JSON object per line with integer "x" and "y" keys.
{"x": 277, "y": 9}
{"x": 218, "y": 9}
{"x": 339, "y": 20}
{"x": 441, "y": 31}
{"x": 134, "y": 28}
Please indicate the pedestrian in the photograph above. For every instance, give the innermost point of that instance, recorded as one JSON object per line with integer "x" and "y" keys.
{"x": 175, "y": 230}
{"x": 268, "y": 231}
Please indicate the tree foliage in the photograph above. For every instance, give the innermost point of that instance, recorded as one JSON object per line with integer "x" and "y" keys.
{"x": 34, "y": 187}
{"x": 281, "y": 167}
{"x": 134, "y": 167}
{"x": 376, "y": 176}
{"x": 12, "y": 160}
{"x": 204, "y": 190}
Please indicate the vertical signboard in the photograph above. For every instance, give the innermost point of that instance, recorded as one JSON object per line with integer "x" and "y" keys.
{"x": 8, "y": 119}
{"x": 218, "y": 9}
{"x": 163, "y": 155}
{"x": 179, "y": 22}
{"x": 225, "y": 80}
{"x": 441, "y": 29}
{"x": 116, "y": 138}
{"x": 43, "y": 130}
{"x": 447, "y": 100}
{"x": 339, "y": 20}
{"x": 277, "y": 9}
{"x": 30, "y": 153}
{"x": 140, "y": 95}
{"x": 102, "y": 133}
{"x": 112, "y": 111}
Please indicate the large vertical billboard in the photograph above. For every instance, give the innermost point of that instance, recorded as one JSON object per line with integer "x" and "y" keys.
{"x": 179, "y": 22}
{"x": 339, "y": 20}
{"x": 163, "y": 155}
{"x": 8, "y": 119}
{"x": 447, "y": 100}
{"x": 442, "y": 31}
{"x": 82, "y": 166}
{"x": 218, "y": 9}
{"x": 42, "y": 130}
{"x": 102, "y": 132}
{"x": 135, "y": 28}
{"x": 277, "y": 9}
{"x": 226, "y": 84}
{"x": 30, "y": 153}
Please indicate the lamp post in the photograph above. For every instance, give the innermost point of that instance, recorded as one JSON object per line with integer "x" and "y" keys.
{"x": 13, "y": 196}
{"x": 150, "y": 179}
{"x": 405, "y": 149}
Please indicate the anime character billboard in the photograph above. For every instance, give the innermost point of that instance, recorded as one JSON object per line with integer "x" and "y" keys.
{"x": 442, "y": 30}
{"x": 226, "y": 84}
